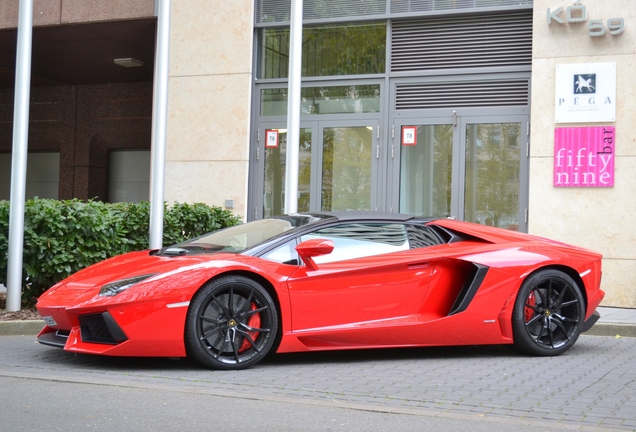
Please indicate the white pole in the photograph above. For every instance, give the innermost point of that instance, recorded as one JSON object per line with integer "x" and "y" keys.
{"x": 19, "y": 155}
{"x": 293, "y": 107}
{"x": 159, "y": 125}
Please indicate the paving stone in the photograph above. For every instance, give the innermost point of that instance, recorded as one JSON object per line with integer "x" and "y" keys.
{"x": 593, "y": 385}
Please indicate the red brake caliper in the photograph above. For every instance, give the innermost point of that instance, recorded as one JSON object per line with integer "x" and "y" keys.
{"x": 254, "y": 322}
{"x": 530, "y": 301}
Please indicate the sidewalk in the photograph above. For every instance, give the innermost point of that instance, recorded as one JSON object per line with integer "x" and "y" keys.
{"x": 613, "y": 322}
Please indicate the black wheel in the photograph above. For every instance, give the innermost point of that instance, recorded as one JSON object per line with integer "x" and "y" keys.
{"x": 231, "y": 324}
{"x": 548, "y": 314}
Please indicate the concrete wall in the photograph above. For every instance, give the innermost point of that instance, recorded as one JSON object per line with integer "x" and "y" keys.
{"x": 53, "y": 12}
{"x": 603, "y": 219}
{"x": 209, "y": 102}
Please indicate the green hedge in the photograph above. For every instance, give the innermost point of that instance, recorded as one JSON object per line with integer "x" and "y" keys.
{"x": 62, "y": 237}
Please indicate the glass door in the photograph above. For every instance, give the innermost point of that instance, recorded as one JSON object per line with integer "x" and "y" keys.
{"x": 425, "y": 157}
{"x": 337, "y": 166}
{"x": 469, "y": 168}
{"x": 349, "y": 153}
{"x": 494, "y": 153}
{"x": 273, "y": 151}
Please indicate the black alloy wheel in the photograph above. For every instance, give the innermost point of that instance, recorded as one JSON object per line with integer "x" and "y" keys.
{"x": 231, "y": 324}
{"x": 548, "y": 313}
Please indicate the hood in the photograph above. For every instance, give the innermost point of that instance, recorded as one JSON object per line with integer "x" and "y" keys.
{"x": 130, "y": 265}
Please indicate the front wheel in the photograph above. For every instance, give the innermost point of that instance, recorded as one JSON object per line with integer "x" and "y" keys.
{"x": 548, "y": 314}
{"x": 231, "y": 324}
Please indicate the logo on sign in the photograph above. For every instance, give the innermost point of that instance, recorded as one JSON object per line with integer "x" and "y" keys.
{"x": 585, "y": 83}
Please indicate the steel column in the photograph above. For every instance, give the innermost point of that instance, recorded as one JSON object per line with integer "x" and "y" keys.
{"x": 293, "y": 107}
{"x": 159, "y": 125}
{"x": 19, "y": 155}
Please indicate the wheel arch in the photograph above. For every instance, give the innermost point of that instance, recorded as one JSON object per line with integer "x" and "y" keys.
{"x": 532, "y": 340}
{"x": 570, "y": 272}
{"x": 258, "y": 278}
{"x": 269, "y": 287}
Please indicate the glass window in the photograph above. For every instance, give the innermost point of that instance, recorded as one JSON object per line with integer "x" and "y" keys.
{"x": 426, "y": 172}
{"x": 346, "y": 168}
{"x": 284, "y": 254}
{"x": 129, "y": 176}
{"x": 349, "y": 49}
{"x": 275, "y": 165}
{"x": 492, "y": 174}
{"x": 241, "y": 237}
{"x": 324, "y": 100}
{"x": 422, "y": 236}
{"x": 357, "y": 240}
{"x": 42, "y": 178}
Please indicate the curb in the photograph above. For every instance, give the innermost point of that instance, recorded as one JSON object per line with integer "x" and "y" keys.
{"x": 21, "y": 328}
{"x": 612, "y": 329}
{"x": 33, "y": 327}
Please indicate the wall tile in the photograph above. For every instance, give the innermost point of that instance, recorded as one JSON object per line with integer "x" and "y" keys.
{"x": 211, "y": 37}
{"x": 79, "y": 11}
{"x": 208, "y": 182}
{"x": 45, "y": 12}
{"x": 201, "y": 127}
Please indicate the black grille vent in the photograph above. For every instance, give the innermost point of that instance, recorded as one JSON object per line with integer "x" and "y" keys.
{"x": 462, "y": 42}
{"x": 100, "y": 328}
{"x": 460, "y": 94}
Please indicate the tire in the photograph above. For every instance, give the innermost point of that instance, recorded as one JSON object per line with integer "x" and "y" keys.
{"x": 232, "y": 323}
{"x": 548, "y": 314}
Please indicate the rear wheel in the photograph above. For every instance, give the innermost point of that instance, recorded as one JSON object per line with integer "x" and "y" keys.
{"x": 548, "y": 314}
{"x": 231, "y": 324}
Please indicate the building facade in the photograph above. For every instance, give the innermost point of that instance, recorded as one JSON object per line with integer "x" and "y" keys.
{"x": 435, "y": 107}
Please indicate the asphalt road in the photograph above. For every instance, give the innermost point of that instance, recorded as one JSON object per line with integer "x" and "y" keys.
{"x": 592, "y": 387}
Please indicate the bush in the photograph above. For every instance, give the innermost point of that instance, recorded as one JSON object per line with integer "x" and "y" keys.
{"x": 62, "y": 237}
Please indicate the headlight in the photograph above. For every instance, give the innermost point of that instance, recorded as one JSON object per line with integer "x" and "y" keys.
{"x": 114, "y": 288}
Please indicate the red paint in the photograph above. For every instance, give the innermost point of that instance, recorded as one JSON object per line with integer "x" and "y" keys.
{"x": 394, "y": 300}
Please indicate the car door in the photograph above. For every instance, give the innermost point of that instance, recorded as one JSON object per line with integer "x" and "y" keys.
{"x": 373, "y": 279}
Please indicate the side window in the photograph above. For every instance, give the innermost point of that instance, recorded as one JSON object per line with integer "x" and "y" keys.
{"x": 357, "y": 240}
{"x": 423, "y": 236}
{"x": 284, "y": 254}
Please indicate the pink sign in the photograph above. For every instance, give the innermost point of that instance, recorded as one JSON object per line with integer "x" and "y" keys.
{"x": 584, "y": 156}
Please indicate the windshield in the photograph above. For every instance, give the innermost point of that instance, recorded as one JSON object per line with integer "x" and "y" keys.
{"x": 240, "y": 237}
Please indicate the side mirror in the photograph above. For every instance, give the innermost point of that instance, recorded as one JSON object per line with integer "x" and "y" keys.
{"x": 313, "y": 248}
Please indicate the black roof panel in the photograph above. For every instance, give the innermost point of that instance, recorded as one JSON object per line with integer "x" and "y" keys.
{"x": 363, "y": 215}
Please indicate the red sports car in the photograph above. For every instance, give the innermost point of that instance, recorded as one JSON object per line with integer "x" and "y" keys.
{"x": 328, "y": 281}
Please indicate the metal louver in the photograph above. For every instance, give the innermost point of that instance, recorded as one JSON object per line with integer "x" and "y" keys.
{"x": 391, "y": 234}
{"x": 462, "y": 42}
{"x": 277, "y": 11}
{"x": 406, "y": 6}
{"x": 460, "y": 94}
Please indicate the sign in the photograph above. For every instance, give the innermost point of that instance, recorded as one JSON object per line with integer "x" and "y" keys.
{"x": 584, "y": 156}
{"x": 409, "y": 135}
{"x": 271, "y": 138}
{"x": 585, "y": 93}
{"x": 577, "y": 13}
